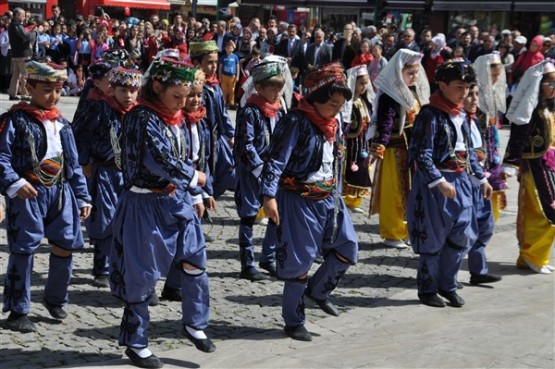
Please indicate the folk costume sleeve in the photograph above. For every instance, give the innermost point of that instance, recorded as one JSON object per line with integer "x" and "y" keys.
{"x": 422, "y": 145}
{"x": 8, "y": 175}
{"x": 388, "y": 111}
{"x": 74, "y": 173}
{"x": 245, "y": 150}
{"x": 84, "y": 125}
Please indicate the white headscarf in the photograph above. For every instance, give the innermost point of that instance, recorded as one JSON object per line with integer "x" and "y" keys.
{"x": 491, "y": 96}
{"x": 439, "y": 42}
{"x": 352, "y": 75}
{"x": 390, "y": 82}
{"x": 287, "y": 91}
{"x": 525, "y": 98}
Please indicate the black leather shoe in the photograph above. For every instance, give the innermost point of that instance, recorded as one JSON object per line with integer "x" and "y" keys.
{"x": 206, "y": 217}
{"x": 153, "y": 300}
{"x": 431, "y": 299}
{"x": 454, "y": 299}
{"x": 171, "y": 294}
{"x": 253, "y": 275}
{"x": 270, "y": 268}
{"x": 298, "y": 333}
{"x": 19, "y": 323}
{"x": 204, "y": 345}
{"x": 148, "y": 362}
{"x": 476, "y": 279}
{"x": 325, "y": 305}
{"x": 14, "y": 98}
{"x": 101, "y": 281}
{"x": 57, "y": 312}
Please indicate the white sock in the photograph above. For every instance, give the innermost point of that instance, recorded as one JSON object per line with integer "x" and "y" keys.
{"x": 199, "y": 335}
{"x": 143, "y": 353}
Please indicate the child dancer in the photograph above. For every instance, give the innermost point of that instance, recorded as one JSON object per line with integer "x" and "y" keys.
{"x": 357, "y": 165}
{"x": 440, "y": 208}
{"x": 99, "y": 150}
{"x": 402, "y": 89}
{"x": 298, "y": 185}
{"x": 46, "y": 195}
{"x": 155, "y": 224}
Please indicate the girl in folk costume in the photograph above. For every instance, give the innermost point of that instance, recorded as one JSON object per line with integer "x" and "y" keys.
{"x": 222, "y": 166}
{"x": 300, "y": 196}
{"x": 99, "y": 152}
{"x": 402, "y": 90}
{"x": 46, "y": 195}
{"x": 492, "y": 103}
{"x": 440, "y": 204}
{"x": 357, "y": 181}
{"x": 531, "y": 151}
{"x": 255, "y": 124}
{"x": 483, "y": 219}
{"x": 155, "y": 226}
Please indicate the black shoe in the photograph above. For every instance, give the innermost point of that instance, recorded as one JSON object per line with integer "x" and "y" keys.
{"x": 298, "y": 333}
{"x": 101, "y": 281}
{"x": 270, "y": 268}
{"x": 148, "y": 362}
{"x": 204, "y": 345}
{"x": 325, "y": 305}
{"x": 57, "y": 312}
{"x": 14, "y": 98}
{"x": 459, "y": 285}
{"x": 431, "y": 299}
{"x": 476, "y": 279}
{"x": 19, "y": 323}
{"x": 454, "y": 299}
{"x": 153, "y": 300}
{"x": 171, "y": 294}
{"x": 253, "y": 275}
{"x": 206, "y": 217}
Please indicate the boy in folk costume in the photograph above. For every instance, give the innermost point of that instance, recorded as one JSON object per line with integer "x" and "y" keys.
{"x": 222, "y": 166}
{"x": 155, "y": 226}
{"x": 440, "y": 205}
{"x": 357, "y": 182}
{"x": 46, "y": 195}
{"x": 300, "y": 196}
{"x": 255, "y": 124}
{"x": 531, "y": 151}
{"x": 99, "y": 152}
{"x": 402, "y": 89}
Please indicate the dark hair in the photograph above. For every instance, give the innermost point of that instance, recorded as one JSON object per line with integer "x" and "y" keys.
{"x": 147, "y": 92}
{"x": 324, "y": 93}
{"x": 255, "y": 50}
{"x": 455, "y": 71}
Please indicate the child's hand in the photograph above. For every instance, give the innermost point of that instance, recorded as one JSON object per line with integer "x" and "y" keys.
{"x": 271, "y": 209}
{"x": 487, "y": 190}
{"x": 84, "y": 212}
{"x": 27, "y": 191}
{"x": 2, "y": 214}
{"x": 199, "y": 208}
{"x": 447, "y": 190}
{"x": 201, "y": 179}
{"x": 210, "y": 203}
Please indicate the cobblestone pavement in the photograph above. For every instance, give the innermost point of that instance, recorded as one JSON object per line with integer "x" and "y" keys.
{"x": 238, "y": 307}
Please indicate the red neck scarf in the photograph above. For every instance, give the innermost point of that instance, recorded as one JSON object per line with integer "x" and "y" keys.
{"x": 39, "y": 114}
{"x": 96, "y": 95}
{"x": 195, "y": 116}
{"x": 438, "y": 101}
{"x": 168, "y": 117}
{"x": 114, "y": 104}
{"x": 269, "y": 109}
{"x": 328, "y": 126}
{"x": 212, "y": 80}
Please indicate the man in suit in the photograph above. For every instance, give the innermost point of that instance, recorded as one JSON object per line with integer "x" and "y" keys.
{"x": 318, "y": 53}
{"x": 289, "y": 46}
{"x": 221, "y": 36}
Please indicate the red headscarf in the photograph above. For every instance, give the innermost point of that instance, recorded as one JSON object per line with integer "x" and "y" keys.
{"x": 529, "y": 58}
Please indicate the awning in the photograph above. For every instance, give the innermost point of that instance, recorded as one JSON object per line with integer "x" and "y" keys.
{"x": 535, "y": 6}
{"x": 28, "y": 1}
{"x": 501, "y": 5}
{"x": 405, "y": 4}
{"x": 142, "y": 4}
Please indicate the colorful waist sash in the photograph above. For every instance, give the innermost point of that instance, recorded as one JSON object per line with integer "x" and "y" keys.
{"x": 312, "y": 191}
{"x": 48, "y": 173}
{"x": 456, "y": 164}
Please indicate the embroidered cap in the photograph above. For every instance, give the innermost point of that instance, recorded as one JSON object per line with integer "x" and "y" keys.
{"x": 327, "y": 74}
{"x": 126, "y": 77}
{"x": 202, "y": 47}
{"x": 45, "y": 72}
{"x": 170, "y": 71}
{"x": 267, "y": 70}
{"x": 453, "y": 70}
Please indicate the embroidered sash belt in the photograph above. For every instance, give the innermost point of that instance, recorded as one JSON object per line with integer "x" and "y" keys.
{"x": 48, "y": 173}
{"x": 458, "y": 163}
{"x": 313, "y": 191}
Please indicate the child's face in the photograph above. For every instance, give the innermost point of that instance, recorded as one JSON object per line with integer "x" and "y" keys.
{"x": 410, "y": 74}
{"x": 209, "y": 64}
{"x": 44, "y": 95}
{"x": 361, "y": 85}
{"x": 172, "y": 97}
{"x": 228, "y": 49}
{"x": 496, "y": 71}
{"x": 365, "y": 48}
{"x": 376, "y": 51}
{"x": 270, "y": 93}
{"x": 548, "y": 87}
{"x": 471, "y": 100}
{"x": 125, "y": 96}
{"x": 330, "y": 108}
{"x": 194, "y": 99}
{"x": 456, "y": 91}
{"x": 103, "y": 84}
